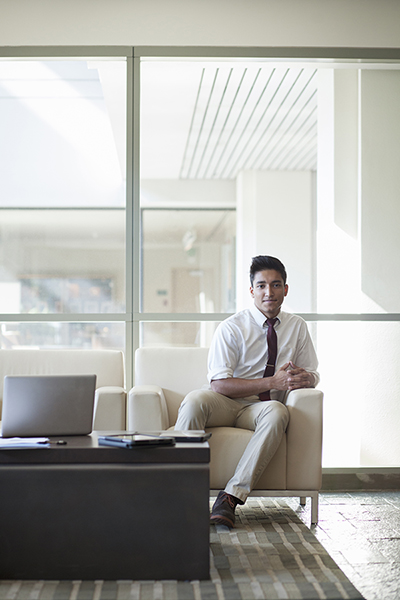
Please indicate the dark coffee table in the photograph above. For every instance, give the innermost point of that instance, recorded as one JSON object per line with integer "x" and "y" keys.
{"x": 84, "y": 511}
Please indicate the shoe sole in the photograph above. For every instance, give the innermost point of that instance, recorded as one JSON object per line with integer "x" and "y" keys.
{"x": 221, "y": 520}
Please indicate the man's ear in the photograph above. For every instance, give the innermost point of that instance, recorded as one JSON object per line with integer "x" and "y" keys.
{"x": 286, "y": 289}
{"x": 251, "y": 291}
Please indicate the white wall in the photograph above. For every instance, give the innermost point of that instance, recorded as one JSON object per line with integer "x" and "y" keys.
{"x": 275, "y": 216}
{"x": 352, "y": 23}
{"x": 380, "y": 250}
{"x": 346, "y": 149}
{"x": 358, "y": 248}
{"x": 380, "y": 187}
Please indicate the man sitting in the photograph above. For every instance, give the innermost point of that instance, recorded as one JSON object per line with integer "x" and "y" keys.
{"x": 256, "y": 357}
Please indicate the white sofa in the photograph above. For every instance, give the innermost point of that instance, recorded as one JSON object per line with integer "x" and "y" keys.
{"x": 108, "y": 365}
{"x": 163, "y": 376}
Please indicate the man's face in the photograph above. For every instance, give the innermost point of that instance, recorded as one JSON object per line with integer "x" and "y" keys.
{"x": 268, "y": 292}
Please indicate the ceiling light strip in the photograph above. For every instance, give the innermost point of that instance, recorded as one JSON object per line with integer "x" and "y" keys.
{"x": 305, "y": 139}
{"x": 271, "y": 120}
{"x": 222, "y": 130}
{"x": 203, "y": 121}
{"x": 243, "y": 92}
{"x": 213, "y": 123}
{"x": 298, "y": 133}
{"x": 220, "y": 174}
{"x": 306, "y": 152}
{"x": 251, "y": 138}
{"x": 285, "y": 139}
{"x": 280, "y": 132}
{"x": 246, "y": 128}
{"x": 290, "y": 143}
{"x": 181, "y": 176}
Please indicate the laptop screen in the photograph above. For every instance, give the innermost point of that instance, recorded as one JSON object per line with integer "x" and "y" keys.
{"x": 47, "y": 405}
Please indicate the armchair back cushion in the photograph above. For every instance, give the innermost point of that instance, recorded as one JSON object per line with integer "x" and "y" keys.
{"x": 177, "y": 371}
{"x": 108, "y": 365}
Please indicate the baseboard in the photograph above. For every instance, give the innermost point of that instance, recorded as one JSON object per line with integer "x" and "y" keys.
{"x": 360, "y": 479}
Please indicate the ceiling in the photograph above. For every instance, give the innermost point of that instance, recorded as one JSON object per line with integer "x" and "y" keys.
{"x": 200, "y": 119}
{"x": 210, "y": 121}
{"x": 252, "y": 120}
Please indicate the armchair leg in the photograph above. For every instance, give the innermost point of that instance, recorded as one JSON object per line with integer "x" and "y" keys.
{"x": 314, "y": 508}
{"x": 301, "y": 494}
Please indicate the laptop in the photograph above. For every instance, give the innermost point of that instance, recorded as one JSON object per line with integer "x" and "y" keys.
{"x": 48, "y": 405}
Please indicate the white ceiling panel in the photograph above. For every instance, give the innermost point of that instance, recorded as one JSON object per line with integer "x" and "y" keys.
{"x": 211, "y": 120}
{"x": 251, "y": 118}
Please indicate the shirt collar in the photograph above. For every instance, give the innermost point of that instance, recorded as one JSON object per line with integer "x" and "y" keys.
{"x": 260, "y": 318}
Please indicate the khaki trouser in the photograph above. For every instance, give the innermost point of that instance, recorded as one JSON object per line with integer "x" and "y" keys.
{"x": 268, "y": 420}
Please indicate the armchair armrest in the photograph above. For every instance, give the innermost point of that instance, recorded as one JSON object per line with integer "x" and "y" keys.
{"x": 110, "y": 408}
{"x": 304, "y": 439}
{"x": 147, "y": 409}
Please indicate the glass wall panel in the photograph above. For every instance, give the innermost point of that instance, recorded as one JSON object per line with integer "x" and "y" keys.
{"x": 218, "y": 139}
{"x": 360, "y": 377}
{"x": 307, "y": 155}
{"x": 47, "y": 335}
{"x": 188, "y": 260}
{"x": 188, "y": 214}
{"x": 62, "y": 261}
{"x": 62, "y": 186}
{"x": 253, "y": 136}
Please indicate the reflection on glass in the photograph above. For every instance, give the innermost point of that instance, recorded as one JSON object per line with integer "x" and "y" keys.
{"x": 96, "y": 336}
{"x": 62, "y": 261}
{"x": 188, "y": 260}
{"x": 177, "y": 334}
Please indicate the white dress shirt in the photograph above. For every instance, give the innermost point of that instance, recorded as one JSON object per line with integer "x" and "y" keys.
{"x": 239, "y": 346}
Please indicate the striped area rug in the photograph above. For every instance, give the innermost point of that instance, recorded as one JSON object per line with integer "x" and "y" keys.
{"x": 269, "y": 555}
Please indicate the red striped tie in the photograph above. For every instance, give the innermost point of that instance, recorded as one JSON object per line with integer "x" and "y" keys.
{"x": 272, "y": 352}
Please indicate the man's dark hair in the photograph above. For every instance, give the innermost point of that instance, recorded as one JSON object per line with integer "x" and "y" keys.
{"x": 262, "y": 263}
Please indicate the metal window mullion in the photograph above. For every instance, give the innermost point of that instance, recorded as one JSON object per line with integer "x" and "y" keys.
{"x": 133, "y": 264}
{"x": 65, "y": 317}
{"x": 310, "y": 317}
{"x": 129, "y": 223}
{"x": 136, "y": 317}
{"x": 132, "y": 216}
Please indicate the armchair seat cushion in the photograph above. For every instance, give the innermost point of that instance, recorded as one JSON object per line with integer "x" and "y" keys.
{"x": 227, "y": 445}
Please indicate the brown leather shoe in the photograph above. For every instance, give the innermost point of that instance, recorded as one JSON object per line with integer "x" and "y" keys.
{"x": 223, "y": 510}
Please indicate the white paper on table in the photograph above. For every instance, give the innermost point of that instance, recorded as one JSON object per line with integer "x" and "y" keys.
{"x": 17, "y": 442}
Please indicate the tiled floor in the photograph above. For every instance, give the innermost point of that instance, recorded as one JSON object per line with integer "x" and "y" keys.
{"x": 361, "y": 531}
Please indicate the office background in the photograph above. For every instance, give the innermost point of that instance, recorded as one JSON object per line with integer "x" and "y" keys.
{"x": 149, "y": 150}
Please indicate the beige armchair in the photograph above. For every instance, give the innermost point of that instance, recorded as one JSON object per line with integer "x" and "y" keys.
{"x": 163, "y": 376}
